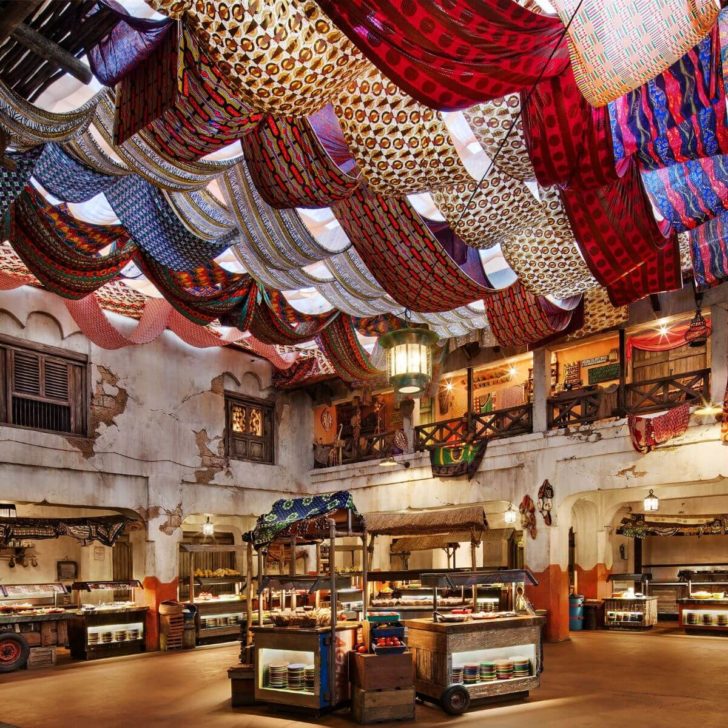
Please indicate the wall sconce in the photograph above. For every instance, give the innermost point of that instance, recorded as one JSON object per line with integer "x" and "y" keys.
{"x": 651, "y": 502}
{"x": 511, "y": 514}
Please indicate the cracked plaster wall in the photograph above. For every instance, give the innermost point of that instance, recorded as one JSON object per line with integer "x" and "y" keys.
{"x": 157, "y": 422}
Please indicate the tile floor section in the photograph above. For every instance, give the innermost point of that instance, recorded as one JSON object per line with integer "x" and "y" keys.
{"x": 597, "y": 679}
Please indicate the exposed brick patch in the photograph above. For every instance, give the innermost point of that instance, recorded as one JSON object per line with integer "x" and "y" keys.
{"x": 212, "y": 461}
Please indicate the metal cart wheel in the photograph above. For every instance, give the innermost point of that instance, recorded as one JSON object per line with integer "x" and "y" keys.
{"x": 14, "y": 651}
{"x": 455, "y": 700}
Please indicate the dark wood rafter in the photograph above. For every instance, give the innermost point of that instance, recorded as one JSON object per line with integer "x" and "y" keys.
{"x": 48, "y": 41}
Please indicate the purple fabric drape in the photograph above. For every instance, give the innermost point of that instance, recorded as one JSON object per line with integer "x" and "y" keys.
{"x": 466, "y": 257}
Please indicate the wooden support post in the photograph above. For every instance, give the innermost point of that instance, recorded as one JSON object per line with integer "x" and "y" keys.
{"x": 474, "y": 567}
{"x": 332, "y": 601}
{"x": 364, "y": 577}
{"x": 249, "y": 594}
{"x": 45, "y": 48}
{"x": 622, "y": 393}
{"x": 470, "y": 400}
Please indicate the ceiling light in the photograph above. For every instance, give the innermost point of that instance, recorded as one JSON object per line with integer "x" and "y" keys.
{"x": 651, "y": 502}
{"x": 409, "y": 358}
{"x": 208, "y": 528}
{"x": 511, "y": 514}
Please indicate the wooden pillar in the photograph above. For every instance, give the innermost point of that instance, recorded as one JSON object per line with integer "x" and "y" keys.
{"x": 622, "y": 394}
{"x": 470, "y": 400}
{"x": 541, "y": 388}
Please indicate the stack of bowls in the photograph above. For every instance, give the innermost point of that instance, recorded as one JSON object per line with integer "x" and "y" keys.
{"x": 723, "y": 619}
{"x": 504, "y": 669}
{"x": 471, "y": 672}
{"x": 487, "y": 672}
{"x": 309, "y": 674}
{"x": 692, "y": 618}
{"x": 708, "y": 619}
{"x": 521, "y": 666}
{"x": 296, "y": 677}
{"x": 457, "y": 675}
{"x": 93, "y": 638}
{"x": 278, "y": 675}
{"x": 134, "y": 634}
{"x": 120, "y": 635}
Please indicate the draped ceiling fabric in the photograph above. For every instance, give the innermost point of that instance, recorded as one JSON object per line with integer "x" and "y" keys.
{"x": 12, "y": 181}
{"x": 569, "y": 142}
{"x": 449, "y": 55}
{"x": 546, "y": 258}
{"x": 616, "y": 46}
{"x": 500, "y": 206}
{"x": 679, "y": 115}
{"x": 614, "y": 226}
{"x": 599, "y": 314}
{"x": 691, "y": 193}
{"x": 282, "y": 57}
{"x": 29, "y": 125}
{"x": 491, "y": 124}
{"x": 182, "y": 101}
{"x": 339, "y": 343}
{"x": 518, "y": 318}
{"x": 403, "y": 255}
{"x": 709, "y": 252}
{"x": 660, "y": 272}
{"x": 400, "y": 145}
{"x": 291, "y": 168}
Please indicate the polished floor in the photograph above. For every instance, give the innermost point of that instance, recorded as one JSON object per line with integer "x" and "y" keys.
{"x": 599, "y": 679}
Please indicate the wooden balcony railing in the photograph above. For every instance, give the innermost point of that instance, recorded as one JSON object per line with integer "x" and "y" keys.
{"x": 499, "y": 423}
{"x": 662, "y": 393}
{"x": 582, "y": 406}
{"x": 368, "y": 447}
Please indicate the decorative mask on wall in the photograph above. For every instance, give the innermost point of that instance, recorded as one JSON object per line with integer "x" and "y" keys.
{"x": 528, "y": 516}
{"x": 545, "y": 501}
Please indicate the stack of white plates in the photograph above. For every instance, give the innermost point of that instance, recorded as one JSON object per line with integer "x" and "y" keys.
{"x": 278, "y": 675}
{"x": 310, "y": 677}
{"x": 296, "y": 677}
{"x": 93, "y": 638}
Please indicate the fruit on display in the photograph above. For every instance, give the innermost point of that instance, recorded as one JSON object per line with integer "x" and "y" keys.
{"x": 212, "y": 573}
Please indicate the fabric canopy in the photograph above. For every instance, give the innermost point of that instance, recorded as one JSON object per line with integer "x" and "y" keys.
{"x": 709, "y": 252}
{"x": 426, "y": 543}
{"x": 453, "y": 55}
{"x": 104, "y": 529}
{"x": 673, "y": 338}
{"x": 440, "y": 521}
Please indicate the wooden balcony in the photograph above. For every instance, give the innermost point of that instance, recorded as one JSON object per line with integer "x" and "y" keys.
{"x": 368, "y": 447}
{"x": 582, "y": 406}
{"x": 663, "y": 393}
{"x": 499, "y": 423}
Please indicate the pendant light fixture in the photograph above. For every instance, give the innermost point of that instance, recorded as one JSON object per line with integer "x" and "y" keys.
{"x": 511, "y": 514}
{"x": 699, "y": 329}
{"x": 409, "y": 358}
{"x": 208, "y": 528}
{"x": 651, "y": 502}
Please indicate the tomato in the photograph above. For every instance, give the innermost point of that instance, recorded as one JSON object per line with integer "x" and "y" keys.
{"x": 362, "y": 650}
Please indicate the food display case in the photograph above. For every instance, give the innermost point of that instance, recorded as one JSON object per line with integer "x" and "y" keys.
{"x": 217, "y": 595}
{"x": 476, "y": 655}
{"x": 107, "y": 628}
{"x": 630, "y": 608}
{"x": 32, "y": 621}
{"x": 705, "y": 609}
{"x": 301, "y": 660}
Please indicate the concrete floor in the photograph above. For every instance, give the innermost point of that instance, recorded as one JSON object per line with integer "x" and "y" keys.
{"x": 599, "y": 679}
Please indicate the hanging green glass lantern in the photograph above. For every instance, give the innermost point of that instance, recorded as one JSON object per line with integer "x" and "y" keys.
{"x": 409, "y": 358}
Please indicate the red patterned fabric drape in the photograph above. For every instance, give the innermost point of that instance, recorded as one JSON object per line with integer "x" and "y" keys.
{"x": 660, "y": 272}
{"x": 673, "y": 338}
{"x": 569, "y": 141}
{"x": 403, "y": 255}
{"x": 451, "y": 55}
{"x": 341, "y": 346}
{"x": 646, "y": 433}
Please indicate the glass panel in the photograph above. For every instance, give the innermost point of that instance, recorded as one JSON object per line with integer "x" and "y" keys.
{"x": 238, "y": 418}
{"x": 255, "y": 423}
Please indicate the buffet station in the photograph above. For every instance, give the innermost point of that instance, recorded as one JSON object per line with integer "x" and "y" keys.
{"x": 33, "y": 623}
{"x": 300, "y": 661}
{"x": 705, "y": 609}
{"x": 110, "y": 627}
{"x": 630, "y": 608}
{"x": 486, "y": 655}
{"x": 216, "y": 595}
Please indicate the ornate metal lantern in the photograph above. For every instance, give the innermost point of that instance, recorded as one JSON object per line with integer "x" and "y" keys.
{"x": 651, "y": 503}
{"x": 409, "y": 359}
{"x": 698, "y": 331}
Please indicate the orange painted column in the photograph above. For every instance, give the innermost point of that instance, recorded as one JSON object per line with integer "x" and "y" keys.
{"x": 156, "y": 592}
{"x": 592, "y": 583}
{"x": 552, "y": 594}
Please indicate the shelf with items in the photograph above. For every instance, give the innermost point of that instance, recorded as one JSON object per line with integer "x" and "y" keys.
{"x": 698, "y": 614}
{"x": 630, "y": 612}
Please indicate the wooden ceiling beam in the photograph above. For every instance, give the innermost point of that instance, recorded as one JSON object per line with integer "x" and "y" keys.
{"x": 14, "y": 13}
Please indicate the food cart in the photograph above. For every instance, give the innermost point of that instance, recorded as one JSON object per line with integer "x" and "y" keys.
{"x": 704, "y": 609}
{"x": 301, "y": 660}
{"x": 486, "y": 655}
{"x": 630, "y": 607}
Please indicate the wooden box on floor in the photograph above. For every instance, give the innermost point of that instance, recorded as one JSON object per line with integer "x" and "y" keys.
{"x": 382, "y": 672}
{"x": 375, "y": 706}
{"x": 41, "y": 657}
{"x": 242, "y": 685}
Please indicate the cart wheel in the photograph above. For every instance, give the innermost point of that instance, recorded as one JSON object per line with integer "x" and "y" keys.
{"x": 455, "y": 700}
{"x": 14, "y": 651}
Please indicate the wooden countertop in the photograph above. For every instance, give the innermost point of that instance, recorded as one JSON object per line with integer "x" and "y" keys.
{"x": 25, "y": 618}
{"x": 269, "y": 629}
{"x": 474, "y": 625}
{"x": 692, "y": 601}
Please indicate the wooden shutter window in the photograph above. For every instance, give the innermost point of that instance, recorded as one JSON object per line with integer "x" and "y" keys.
{"x": 249, "y": 431}
{"x": 26, "y": 373}
{"x": 55, "y": 380}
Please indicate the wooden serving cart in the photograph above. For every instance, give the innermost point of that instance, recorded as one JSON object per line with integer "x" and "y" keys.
{"x": 631, "y": 612}
{"x": 441, "y": 646}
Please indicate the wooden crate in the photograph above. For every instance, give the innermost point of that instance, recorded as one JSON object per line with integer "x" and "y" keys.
{"x": 242, "y": 685}
{"x": 172, "y": 628}
{"x": 381, "y": 672}
{"x": 375, "y": 706}
{"x": 41, "y": 657}
{"x": 49, "y": 634}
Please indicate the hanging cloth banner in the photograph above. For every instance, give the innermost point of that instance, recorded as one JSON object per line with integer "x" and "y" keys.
{"x": 614, "y": 226}
{"x": 290, "y": 167}
{"x": 691, "y": 193}
{"x": 452, "y": 461}
{"x": 450, "y": 56}
{"x": 13, "y": 181}
{"x": 709, "y": 252}
{"x": 674, "y": 338}
{"x": 341, "y": 346}
{"x": 144, "y": 212}
{"x": 183, "y": 101}
{"x": 679, "y": 115}
{"x": 646, "y": 433}
{"x": 617, "y": 46}
{"x": 569, "y": 142}
{"x": 63, "y": 252}
{"x": 518, "y": 318}
{"x": 104, "y": 529}
{"x": 403, "y": 255}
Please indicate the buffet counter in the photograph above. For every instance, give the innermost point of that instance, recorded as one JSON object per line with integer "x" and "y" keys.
{"x": 107, "y": 631}
{"x": 487, "y": 658}
{"x": 632, "y": 612}
{"x": 292, "y": 665}
{"x": 704, "y": 614}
